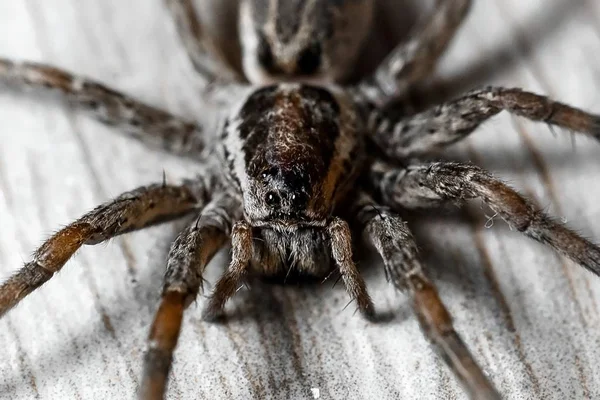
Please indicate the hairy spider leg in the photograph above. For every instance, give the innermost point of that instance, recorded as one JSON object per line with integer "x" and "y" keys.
{"x": 190, "y": 253}
{"x": 402, "y": 137}
{"x": 134, "y": 210}
{"x": 414, "y": 60}
{"x": 150, "y": 125}
{"x": 396, "y": 245}
{"x": 430, "y": 185}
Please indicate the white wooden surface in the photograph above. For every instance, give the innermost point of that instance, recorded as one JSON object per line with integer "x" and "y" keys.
{"x": 530, "y": 317}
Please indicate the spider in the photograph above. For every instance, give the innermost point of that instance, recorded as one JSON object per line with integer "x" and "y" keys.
{"x": 294, "y": 170}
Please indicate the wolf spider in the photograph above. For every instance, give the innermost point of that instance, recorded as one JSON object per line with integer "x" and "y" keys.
{"x": 292, "y": 167}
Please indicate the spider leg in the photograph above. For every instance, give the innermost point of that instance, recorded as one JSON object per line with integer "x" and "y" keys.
{"x": 189, "y": 255}
{"x": 450, "y": 122}
{"x": 414, "y": 60}
{"x": 230, "y": 282}
{"x": 150, "y": 125}
{"x": 395, "y": 244}
{"x": 341, "y": 249}
{"x": 197, "y": 44}
{"x": 429, "y": 185}
{"x": 130, "y": 211}
{"x": 242, "y": 248}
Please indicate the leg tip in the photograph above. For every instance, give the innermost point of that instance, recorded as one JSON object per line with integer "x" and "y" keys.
{"x": 213, "y": 314}
{"x": 595, "y": 127}
{"x": 381, "y": 317}
{"x": 369, "y": 313}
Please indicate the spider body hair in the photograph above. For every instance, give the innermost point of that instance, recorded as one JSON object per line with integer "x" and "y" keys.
{"x": 294, "y": 151}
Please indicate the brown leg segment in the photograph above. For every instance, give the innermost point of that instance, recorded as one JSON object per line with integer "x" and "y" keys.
{"x": 396, "y": 245}
{"x": 437, "y": 324}
{"x": 189, "y": 255}
{"x": 162, "y": 341}
{"x": 130, "y": 211}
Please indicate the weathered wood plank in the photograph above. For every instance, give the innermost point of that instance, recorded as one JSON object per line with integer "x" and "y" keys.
{"x": 531, "y": 317}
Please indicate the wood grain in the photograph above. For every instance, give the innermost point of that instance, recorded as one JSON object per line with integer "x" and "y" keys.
{"x": 530, "y": 317}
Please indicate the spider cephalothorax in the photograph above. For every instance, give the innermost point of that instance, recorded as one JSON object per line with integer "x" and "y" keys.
{"x": 286, "y": 175}
{"x": 292, "y": 150}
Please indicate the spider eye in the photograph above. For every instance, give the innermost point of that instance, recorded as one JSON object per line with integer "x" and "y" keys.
{"x": 309, "y": 60}
{"x": 272, "y": 199}
{"x": 296, "y": 200}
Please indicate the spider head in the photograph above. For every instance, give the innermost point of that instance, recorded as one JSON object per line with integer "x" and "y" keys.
{"x": 302, "y": 40}
{"x": 281, "y": 196}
